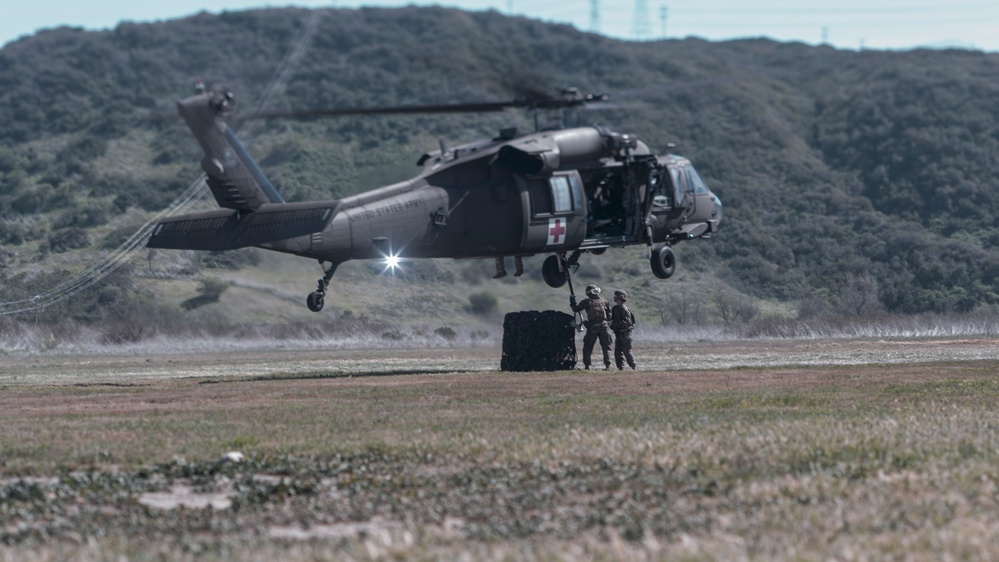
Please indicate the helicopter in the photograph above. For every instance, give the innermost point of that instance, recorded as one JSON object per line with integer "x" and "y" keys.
{"x": 563, "y": 192}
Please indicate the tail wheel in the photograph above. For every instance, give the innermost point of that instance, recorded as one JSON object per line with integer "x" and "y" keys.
{"x": 315, "y": 301}
{"x": 663, "y": 262}
{"x": 553, "y": 275}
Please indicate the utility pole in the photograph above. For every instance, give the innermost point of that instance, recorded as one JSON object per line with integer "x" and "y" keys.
{"x": 595, "y": 16}
{"x": 662, "y": 21}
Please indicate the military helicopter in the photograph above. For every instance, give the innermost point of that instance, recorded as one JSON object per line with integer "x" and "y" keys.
{"x": 563, "y": 192}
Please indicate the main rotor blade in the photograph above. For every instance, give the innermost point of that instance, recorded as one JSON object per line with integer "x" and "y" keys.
{"x": 388, "y": 110}
{"x": 567, "y": 98}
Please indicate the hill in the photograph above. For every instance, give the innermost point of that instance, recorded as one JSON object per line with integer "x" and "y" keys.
{"x": 853, "y": 182}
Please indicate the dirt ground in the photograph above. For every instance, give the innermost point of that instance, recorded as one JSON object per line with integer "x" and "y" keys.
{"x": 16, "y": 369}
{"x": 734, "y": 450}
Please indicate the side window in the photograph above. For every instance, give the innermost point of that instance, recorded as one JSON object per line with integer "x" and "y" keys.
{"x": 556, "y": 195}
{"x": 541, "y": 201}
{"x": 577, "y": 191}
{"x": 561, "y": 194}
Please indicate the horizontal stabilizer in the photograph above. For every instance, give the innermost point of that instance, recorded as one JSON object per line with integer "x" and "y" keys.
{"x": 229, "y": 229}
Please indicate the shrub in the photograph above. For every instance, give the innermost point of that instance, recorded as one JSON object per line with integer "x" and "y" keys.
{"x": 6, "y": 257}
{"x": 212, "y": 287}
{"x": 231, "y": 259}
{"x": 127, "y": 330}
{"x": 30, "y": 202}
{"x": 209, "y": 292}
{"x": 121, "y": 203}
{"x": 68, "y": 239}
{"x": 16, "y": 232}
{"x": 446, "y": 332}
{"x": 83, "y": 217}
{"x": 482, "y": 303}
{"x": 735, "y": 308}
{"x": 393, "y": 335}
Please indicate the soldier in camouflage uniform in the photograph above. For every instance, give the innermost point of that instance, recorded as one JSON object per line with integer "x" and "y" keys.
{"x": 518, "y": 263}
{"x": 622, "y": 321}
{"x": 597, "y": 327}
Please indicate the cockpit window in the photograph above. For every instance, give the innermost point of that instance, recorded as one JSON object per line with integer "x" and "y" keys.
{"x": 695, "y": 183}
{"x": 679, "y": 185}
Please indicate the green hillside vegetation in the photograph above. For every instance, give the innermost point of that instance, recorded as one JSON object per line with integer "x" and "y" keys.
{"x": 853, "y": 182}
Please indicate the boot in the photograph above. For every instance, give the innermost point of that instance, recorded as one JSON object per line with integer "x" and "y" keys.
{"x": 500, "y": 269}
{"x": 518, "y": 264}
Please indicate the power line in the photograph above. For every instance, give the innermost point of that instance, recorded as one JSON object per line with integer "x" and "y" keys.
{"x": 909, "y": 25}
{"x": 191, "y": 196}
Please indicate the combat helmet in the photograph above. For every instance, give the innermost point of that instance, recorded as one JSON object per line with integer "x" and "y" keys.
{"x": 621, "y": 294}
{"x": 592, "y": 291}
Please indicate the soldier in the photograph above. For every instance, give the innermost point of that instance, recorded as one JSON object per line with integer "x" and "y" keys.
{"x": 518, "y": 263}
{"x": 597, "y": 315}
{"x": 622, "y": 322}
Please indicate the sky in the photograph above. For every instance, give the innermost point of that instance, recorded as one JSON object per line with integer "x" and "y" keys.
{"x": 844, "y": 24}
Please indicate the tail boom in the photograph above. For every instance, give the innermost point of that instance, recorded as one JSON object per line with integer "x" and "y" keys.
{"x": 229, "y": 229}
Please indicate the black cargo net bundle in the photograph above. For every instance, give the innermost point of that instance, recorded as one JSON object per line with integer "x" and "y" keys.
{"x": 538, "y": 341}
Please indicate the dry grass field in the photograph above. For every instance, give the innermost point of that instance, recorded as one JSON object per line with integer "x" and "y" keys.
{"x": 740, "y": 450}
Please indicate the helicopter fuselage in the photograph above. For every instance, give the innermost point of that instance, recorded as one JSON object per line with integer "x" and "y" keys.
{"x": 575, "y": 189}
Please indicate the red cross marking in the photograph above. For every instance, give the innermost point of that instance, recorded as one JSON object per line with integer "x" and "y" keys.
{"x": 555, "y": 230}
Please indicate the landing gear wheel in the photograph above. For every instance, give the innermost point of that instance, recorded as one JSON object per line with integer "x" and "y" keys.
{"x": 663, "y": 262}
{"x": 315, "y": 301}
{"x": 553, "y": 275}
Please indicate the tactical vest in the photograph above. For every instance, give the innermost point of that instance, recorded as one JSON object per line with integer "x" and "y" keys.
{"x": 596, "y": 313}
{"x": 622, "y": 318}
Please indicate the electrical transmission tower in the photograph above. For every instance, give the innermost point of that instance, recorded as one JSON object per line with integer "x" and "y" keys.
{"x": 640, "y": 31}
{"x": 595, "y": 16}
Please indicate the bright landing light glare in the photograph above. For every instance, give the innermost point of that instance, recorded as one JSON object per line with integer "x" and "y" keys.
{"x": 391, "y": 262}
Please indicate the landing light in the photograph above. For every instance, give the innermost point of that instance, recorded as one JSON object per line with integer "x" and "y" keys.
{"x": 391, "y": 261}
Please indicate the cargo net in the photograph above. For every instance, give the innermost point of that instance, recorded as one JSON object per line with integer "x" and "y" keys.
{"x": 538, "y": 341}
